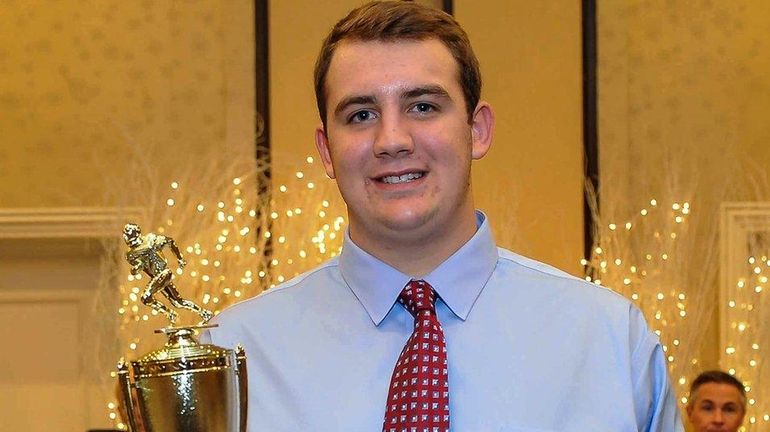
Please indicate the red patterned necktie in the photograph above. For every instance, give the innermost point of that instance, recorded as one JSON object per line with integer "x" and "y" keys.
{"x": 418, "y": 399}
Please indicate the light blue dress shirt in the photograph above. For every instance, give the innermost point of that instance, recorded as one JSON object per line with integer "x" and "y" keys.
{"x": 530, "y": 348}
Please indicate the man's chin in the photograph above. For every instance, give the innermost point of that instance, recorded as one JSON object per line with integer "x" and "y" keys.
{"x": 407, "y": 221}
{"x": 395, "y": 225}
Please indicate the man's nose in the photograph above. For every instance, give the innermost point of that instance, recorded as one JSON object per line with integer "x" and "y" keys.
{"x": 718, "y": 417}
{"x": 393, "y": 138}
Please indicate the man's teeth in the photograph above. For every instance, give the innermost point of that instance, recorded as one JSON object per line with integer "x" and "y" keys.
{"x": 401, "y": 179}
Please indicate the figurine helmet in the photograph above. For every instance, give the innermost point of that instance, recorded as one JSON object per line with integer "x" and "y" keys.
{"x": 131, "y": 233}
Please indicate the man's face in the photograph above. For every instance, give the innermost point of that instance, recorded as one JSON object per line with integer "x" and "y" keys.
{"x": 398, "y": 140}
{"x": 718, "y": 407}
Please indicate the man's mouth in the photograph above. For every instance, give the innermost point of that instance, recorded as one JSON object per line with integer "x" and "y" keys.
{"x": 403, "y": 178}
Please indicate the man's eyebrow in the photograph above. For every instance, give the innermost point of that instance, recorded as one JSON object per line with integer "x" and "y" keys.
{"x": 429, "y": 90}
{"x": 353, "y": 100}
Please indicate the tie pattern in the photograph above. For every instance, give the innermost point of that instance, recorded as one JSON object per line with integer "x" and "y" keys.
{"x": 418, "y": 399}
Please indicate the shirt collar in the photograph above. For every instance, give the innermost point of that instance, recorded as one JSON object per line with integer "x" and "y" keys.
{"x": 458, "y": 280}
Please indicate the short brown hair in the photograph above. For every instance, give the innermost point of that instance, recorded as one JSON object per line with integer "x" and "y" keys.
{"x": 719, "y": 377}
{"x": 401, "y": 20}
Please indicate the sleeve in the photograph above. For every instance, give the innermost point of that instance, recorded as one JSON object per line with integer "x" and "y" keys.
{"x": 214, "y": 335}
{"x": 205, "y": 337}
{"x": 225, "y": 333}
{"x": 654, "y": 398}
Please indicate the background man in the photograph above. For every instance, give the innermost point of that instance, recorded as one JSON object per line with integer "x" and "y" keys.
{"x": 717, "y": 402}
{"x": 498, "y": 341}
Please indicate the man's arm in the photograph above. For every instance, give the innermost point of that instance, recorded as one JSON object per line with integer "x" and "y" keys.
{"x": 654, "y": 398}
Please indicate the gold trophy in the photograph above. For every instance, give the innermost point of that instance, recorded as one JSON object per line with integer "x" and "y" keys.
{"x": 183, "y": 386}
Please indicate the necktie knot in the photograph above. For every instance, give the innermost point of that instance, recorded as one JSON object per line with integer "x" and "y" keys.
{"x": 418, "y": 296}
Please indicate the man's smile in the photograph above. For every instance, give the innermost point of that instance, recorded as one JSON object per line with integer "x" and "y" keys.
{"x": 402, "y": 178}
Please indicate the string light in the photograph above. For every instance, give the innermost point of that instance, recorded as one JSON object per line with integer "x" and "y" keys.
{"x": 641, "y": 254}
{"x": 746, "y": 318}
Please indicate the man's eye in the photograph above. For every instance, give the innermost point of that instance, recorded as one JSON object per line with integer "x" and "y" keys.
{"x": 423, "y": 107}
{"x": 361, "y": 116}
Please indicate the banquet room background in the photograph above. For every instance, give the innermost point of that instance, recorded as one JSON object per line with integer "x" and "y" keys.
{"x": 112, "y": 111}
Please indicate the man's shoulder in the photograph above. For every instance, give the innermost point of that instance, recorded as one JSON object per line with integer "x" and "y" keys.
{"x": 306, "y": 284}
{"x": 540, "y": 276}
{"x": 531, "y": 264}
{"x": 575, "y": 299}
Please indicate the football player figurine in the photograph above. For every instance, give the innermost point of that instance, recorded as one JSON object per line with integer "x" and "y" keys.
{"x": 146, "y": 254}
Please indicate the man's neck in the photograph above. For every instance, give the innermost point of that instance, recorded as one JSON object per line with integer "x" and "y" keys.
{"x": 414, "y": 254}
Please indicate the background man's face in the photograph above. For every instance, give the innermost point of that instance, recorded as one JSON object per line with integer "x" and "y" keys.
{"x": 398, "y": 139}
{"x": 718, "y": 407}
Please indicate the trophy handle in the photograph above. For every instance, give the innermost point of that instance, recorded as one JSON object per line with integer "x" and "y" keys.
{"x": 243, "y": 385}
{"x": 125, "y": 390}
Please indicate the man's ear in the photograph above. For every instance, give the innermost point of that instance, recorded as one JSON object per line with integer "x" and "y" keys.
{"x": 688, "y": 408}
{"x": 482, "y": 128}
{"x": 322, "y": 145}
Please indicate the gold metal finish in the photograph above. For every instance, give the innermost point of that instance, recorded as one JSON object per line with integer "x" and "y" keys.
{"x": 146, "y": 254}
{"x": 243, "y": 382}
{"x": 184, "y": 386}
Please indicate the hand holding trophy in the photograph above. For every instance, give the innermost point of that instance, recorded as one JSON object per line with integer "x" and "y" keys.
{"x": 184, "y": 386}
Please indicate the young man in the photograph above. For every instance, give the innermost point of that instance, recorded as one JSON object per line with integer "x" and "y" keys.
{"x": 717, "y": 402}
{"x": 422, "y": 323}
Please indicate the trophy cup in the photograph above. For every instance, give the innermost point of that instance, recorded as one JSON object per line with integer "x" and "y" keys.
{"x": 184, "y": 386}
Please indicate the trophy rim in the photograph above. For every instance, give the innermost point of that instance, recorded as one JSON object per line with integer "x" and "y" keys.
{"x": 173, "y": 366}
